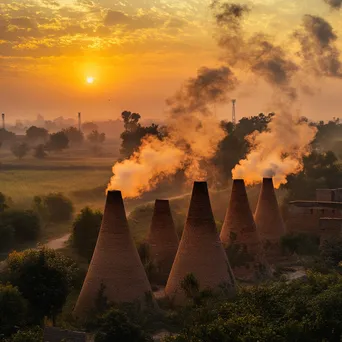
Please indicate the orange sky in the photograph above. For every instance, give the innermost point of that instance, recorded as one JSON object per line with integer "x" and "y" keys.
{"x": 138, "y": 51}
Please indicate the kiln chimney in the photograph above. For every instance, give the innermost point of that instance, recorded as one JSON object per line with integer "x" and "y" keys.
{"x": 268, "y": 220}
{"x": 162, "y": 240}
{"x": 200, "y": 250}
{"x": 115, "y": 264}
{"x": 239, "y": 234}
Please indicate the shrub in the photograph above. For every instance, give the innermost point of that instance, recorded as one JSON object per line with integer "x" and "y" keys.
{"x": 331, "y": 252}
{"x": 20, "y": 150}
{"x": 6, "y": 236}
{"x": 86, "y": 229}
{"x": 25, "y": 224}
{"x": 302, "y": 244}
{"x": 54, "y": 207}
{"x": 12, "y": 309}
{"x": 39, "y": 152}
{"x": 32, "y": 335}
{"x": 114, "y": 325}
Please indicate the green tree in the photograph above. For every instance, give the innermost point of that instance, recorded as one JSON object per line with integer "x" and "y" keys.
{"x": 31, "y": 335}
{"x": 58, "y": 142}
{"x": 34, "y": 134}
{"x": 114, "y": 325}
{"x": 25, "y": 224}
{"x": 85, "y": 231}
{"x": 20, "y": 150}
{"x": 12, "y": 309}
{"x": 54, "y": 207}
{"x": 74, "y": 135}
{"x": 39, "y": 152}
{"x": 44, "y": 277}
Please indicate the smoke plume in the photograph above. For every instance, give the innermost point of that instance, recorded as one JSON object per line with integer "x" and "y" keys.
{"x": 334, "y": 4}
{"x": 193, "y": 135}
{"x": 256, "y": 53}
{"x": 276, "y": 152}
{"x": 318, "y": 50}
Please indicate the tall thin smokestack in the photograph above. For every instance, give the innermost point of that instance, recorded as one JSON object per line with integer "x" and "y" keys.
{"x": 115, "y": 264}
{"x": 79, "y": 122}
{"x": 162, "y": 239}
{"x": 233, "y": 112}
{"x": 239, "y": 234}
{"x": 268, "y": 220}
{"x": 200, "y": 250}
{"x": 3, "y": 120}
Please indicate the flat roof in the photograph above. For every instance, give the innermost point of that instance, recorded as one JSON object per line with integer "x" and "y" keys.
{"x": 316, "y": 204}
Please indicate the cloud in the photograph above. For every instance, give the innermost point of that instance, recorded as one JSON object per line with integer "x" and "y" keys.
{"x": 334, "y": 4}
{"x": 116, "y": 18}
{"x": 23, "y": 22}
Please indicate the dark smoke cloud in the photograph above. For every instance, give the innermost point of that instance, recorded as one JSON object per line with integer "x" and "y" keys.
{"x": 334, "y": 4}
{"x": 318, "y": 49}
{"x": 258, "y": 53}
{"x": 210, "y": 86}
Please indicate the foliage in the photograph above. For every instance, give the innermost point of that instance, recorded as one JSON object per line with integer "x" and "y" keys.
{"x": 37, "y": 133}
{"x": 32, "y": 335}
{"x": 74, "y": 135}
{"x": 54, "y": 207}
{"x": 12, "y": 309}
{"x": 134, "y": 133}
{"x": 114, "y": 325}
{"x": 88, "y": 127}
{"x": 6, "y": 135}
{"x": 6, "y": 236}
{"x": 3, "y": 204}
{"x": 85, "y": 231}
{"x": 301, "y": 244}
{"x": 96, "y": 138}
{"x": 190, "y": 286}
{"x": 58, "y": 141}
{"x": 20, "y": 150}
{"x": 44, "y": 277}
{"x": 39, "y": 152}
{"x": 303, "y": 310}
{"x": 25, "y": 224}
{"x": 331, "y": 252}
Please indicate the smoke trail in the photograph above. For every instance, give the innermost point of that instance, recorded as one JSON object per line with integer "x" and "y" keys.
{"x": 318, "y": 50}
{"x": 276, "y": 152}
{"x": 193, "y": 135}
{"x": 334, "y": 4}
{"x": 256, "y": 53}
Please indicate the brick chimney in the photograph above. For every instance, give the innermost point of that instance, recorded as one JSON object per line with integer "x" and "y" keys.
{"x": 162, "y": 240}
{"x": 268, "y": 220}
{"x": 115, "y": 263}
{"x": 200, "y": 250}
{"x": 239, "y": 235}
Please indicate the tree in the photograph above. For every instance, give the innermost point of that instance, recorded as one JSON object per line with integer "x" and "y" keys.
{"x": 54, "y": 207}
{"x": 58, "y": 141}
{"x": 96, "y": 138}
{"x": 32, "y": 335}
{"x": 34, "y": 134}
{"x": 44, "y": 277}
{"x": 3, "y": 204}
{"x": 114, "y": 325}
{"x": 134, "y": 133}
{"x": 85, "y": 231}
{"x": 6, "y": 135}
{"x": 74, "y": 135}
{"x": 20, "y": 150}
{"x": 6, "y": 236}
{"x": 39, "y": 152}
{"x": 25, "y": 224}
{"x": 12, "y": 309}
{"x": 88, "y": 127}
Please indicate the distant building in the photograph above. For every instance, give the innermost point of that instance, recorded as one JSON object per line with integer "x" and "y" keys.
{"x": 322, "y": 217}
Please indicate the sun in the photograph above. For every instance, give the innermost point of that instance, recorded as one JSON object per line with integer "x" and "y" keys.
{"x": 90, "y": 80}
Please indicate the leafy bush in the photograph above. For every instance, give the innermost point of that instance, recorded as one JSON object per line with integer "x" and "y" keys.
{"x": 331, "y": 252}
{"x": 44, "y": 277}
{"x": 302, "y": 244}
{"x": 32, "y": 335}
{"x": 25, "y": 224}
{"x": 54, "y": 207}
{"x": 86, "y": 229}
{"x": 114, "y": 325}
{"x": 20, "y": 150}
{"x": 58, "y": 142}
{"x": 12, "y": 309}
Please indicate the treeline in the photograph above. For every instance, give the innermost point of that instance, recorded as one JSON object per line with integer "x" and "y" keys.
{"x": 42, "y": 142}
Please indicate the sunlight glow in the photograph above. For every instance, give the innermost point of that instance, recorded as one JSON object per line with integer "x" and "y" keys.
{"x": 90, "y": 80}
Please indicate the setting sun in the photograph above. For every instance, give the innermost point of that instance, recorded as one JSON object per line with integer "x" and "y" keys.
{"x": 90, "y": 80}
